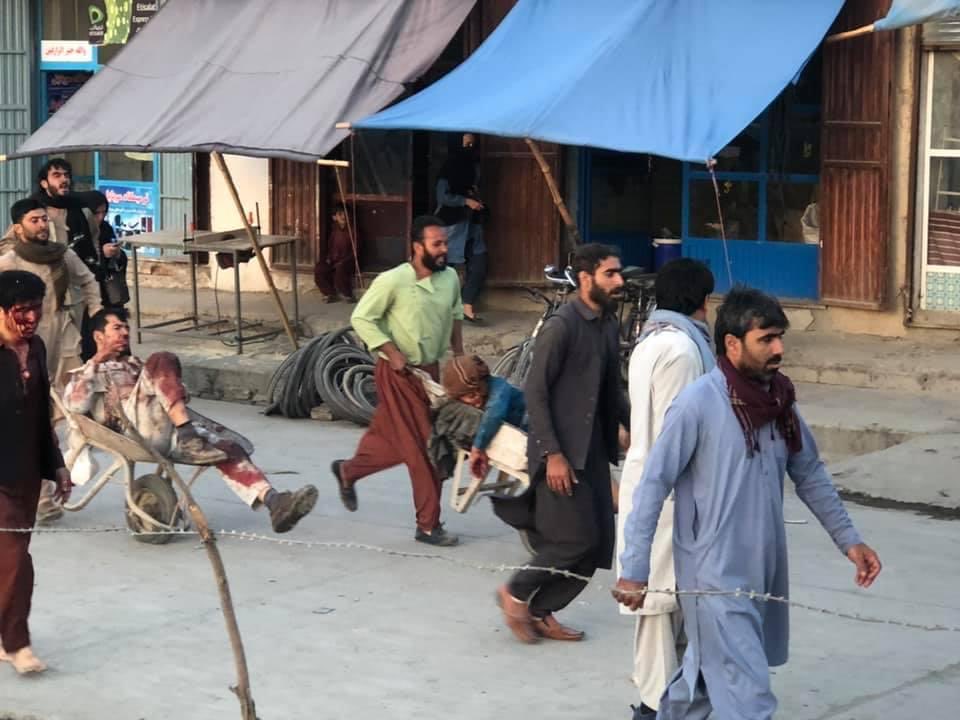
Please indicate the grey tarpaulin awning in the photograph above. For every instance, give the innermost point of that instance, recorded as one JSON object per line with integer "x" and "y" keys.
{"x": 268, "y": 78}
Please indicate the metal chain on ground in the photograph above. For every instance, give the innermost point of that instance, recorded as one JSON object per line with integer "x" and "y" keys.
{"x": 500, "y": 568}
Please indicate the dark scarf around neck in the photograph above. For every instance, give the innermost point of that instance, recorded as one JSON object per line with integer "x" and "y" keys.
{"x": 755, "y": 405}
{"x": 48, "y": 253}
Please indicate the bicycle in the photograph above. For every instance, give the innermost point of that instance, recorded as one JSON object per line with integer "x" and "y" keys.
{"x": 515, "y": 363}
{"x": 638, "y": 301}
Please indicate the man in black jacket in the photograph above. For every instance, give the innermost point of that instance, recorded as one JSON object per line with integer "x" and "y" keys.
{"x": 71, "y": 223}
{"x": 30, "y": 453}
{"x": 576, "y": 404}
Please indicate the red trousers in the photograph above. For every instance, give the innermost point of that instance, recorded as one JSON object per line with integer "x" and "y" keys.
{"x": 16, "y": 568}
{"x": 399, "y": 434}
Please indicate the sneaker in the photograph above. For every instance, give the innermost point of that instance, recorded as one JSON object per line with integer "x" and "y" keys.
{"x": 290, "y": 507}
{"x": 438, "y": 536}
{"x": 197, "y": 451}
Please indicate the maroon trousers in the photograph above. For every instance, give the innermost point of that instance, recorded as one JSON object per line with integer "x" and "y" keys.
{"x": 334, "y": 278}
{"x": 16, "y": 568}
{"x": 399, "y": 434}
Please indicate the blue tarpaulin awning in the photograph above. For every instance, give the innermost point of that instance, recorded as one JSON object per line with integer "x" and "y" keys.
{"x": 911, "y": 12}
{"x": 679, "y": 79}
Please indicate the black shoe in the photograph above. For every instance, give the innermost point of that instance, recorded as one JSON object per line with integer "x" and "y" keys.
{"x": 290, "y": 507}
{"x": 197, "y": 451}
{"x": 643, "y": 712}
{"x": 348, "y": 496}
{"x": 438, "y": 536}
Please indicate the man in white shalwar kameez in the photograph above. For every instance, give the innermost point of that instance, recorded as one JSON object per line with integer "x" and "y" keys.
{"x": 674, "y": 349}
{"x": 727, "y": 442}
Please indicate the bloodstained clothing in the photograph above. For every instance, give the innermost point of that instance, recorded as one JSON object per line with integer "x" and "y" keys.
{"x": 30, "y": 454}
{"x": 146, "y": 392}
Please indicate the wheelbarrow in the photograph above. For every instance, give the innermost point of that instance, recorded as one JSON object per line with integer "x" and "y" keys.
{"x": 507, "y": 455}
{"x": 152, "y": 504}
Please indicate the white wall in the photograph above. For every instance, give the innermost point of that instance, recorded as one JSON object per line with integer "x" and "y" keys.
{"x": 252, "y": 178}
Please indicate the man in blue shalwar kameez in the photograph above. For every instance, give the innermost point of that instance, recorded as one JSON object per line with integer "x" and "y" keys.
{"x": 726, "y": 444}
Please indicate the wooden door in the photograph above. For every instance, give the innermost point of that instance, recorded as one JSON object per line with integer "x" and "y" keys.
{"x": 523, "y": 230}
{"x": 294, "y": 210}
{"x": 855, "y": 168}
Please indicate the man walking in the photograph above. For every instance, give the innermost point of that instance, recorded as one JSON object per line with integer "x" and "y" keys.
{"x": 576, "y": 404}
{"x": 726, "y": 444}
{"x": 64, "y": 276}
{"x": 30, "y": 453}
{"x": 673, "y": 350}
{"x": 408, "y": 316}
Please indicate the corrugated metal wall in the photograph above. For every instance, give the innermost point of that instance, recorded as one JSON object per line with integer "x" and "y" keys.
{"x": 176, "y": 190}
{"x": 15, "y": 99}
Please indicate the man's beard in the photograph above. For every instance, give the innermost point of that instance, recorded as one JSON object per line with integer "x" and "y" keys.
{"x": 434, "y": 263}
{"x": 602, "y": 298}
{"x": 755, "y": 371}
{"x": 41, "y": 236}
{"x": 60, "y": 190}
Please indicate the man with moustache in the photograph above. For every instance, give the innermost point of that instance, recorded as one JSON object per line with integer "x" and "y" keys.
{"x": 63, "y": 274}
{"x": 727, "y": 442}
{"x": 30, "y": 453}
{"x": 408, "y": 317}
{"x": 576, "y": 403}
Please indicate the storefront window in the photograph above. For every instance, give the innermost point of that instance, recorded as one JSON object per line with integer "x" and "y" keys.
{"x": 127, "y": 166}
{"x": 792, "y": 212}
{"x": 939, "y": 201}
{"x": 945, "y": 102}
{"x": 619, "y": 190}
{"x": 745, "y": 153}
{"x": 739, "y": 201}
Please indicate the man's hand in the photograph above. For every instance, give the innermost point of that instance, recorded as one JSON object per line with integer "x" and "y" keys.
{"x": 111, "y": 250}
{"x": 623, "y": 437}
{"x": 867, "y": 562}
{"x": 64, "y": 486}
{"x": 629, "y": 593}
{"x": 397, "y": 360}
{"x": 479, "y": 462}
{"x": 473, "y": 204}
{"x": 560, "y": 476}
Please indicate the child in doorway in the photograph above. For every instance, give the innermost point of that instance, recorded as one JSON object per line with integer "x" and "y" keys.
{"x": 334, "y": 274}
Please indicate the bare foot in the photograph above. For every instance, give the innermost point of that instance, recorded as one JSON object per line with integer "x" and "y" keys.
{"x": 25, "y": 662}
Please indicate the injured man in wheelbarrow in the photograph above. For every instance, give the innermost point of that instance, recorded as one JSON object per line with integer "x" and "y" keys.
{"x": 154, "y": 399}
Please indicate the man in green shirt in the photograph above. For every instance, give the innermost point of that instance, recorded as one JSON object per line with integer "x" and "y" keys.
{"x": 408, "y": 316}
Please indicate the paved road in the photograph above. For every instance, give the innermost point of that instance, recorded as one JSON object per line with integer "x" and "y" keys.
{"x": 134, "y": 631}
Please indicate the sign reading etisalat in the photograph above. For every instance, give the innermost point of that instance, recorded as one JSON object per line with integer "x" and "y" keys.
{"x": 114, "y": 22}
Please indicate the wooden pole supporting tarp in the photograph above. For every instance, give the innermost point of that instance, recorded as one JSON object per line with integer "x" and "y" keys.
{"x": 848, "y": 34}
{"x": 555, "y": 192}
{"x": 255, "y": 242}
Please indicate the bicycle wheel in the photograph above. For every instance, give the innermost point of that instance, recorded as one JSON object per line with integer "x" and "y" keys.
{"x": 506, "y": 364}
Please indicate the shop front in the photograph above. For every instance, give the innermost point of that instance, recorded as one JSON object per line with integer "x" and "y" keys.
{"x": 146, "y": 191}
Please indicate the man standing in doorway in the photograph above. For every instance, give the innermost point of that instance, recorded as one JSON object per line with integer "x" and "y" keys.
{"x": 408, "y": 316}
{"x": 30, "y": 453}
{"x": 673, "y": 350}
{"x": 726, "y": 444}
{"x": 576, "y": 404}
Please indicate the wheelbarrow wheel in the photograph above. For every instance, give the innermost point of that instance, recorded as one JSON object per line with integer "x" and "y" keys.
{"x": 155, "y": 496}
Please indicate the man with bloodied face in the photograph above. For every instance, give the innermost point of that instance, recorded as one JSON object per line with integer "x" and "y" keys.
{"x": 29, "y": 453}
